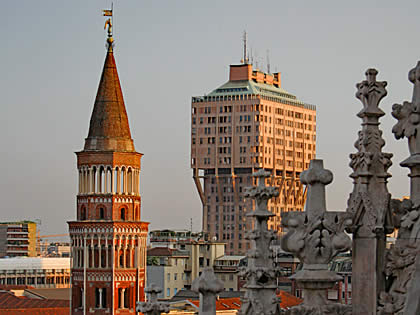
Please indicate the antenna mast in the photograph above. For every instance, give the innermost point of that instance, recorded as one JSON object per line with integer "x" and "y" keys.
{"x": 244, "y": 38}
{"x": 268, "y": 61}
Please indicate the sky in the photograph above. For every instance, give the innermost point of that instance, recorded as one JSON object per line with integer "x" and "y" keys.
{"x": 166, "y": 52}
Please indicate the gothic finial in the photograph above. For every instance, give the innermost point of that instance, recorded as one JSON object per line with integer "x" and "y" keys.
{"x": 414, "y": 77}
{"x": 315, "y": 236}
{"x": 316, "y": 177}
{"x": 208, "y": 286}
{"x": 261, "y": 194}
{"x": 152, "y": 307}
{"x": 370, "y": 92}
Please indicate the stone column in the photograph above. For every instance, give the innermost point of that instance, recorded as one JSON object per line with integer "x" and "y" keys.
{"x": 99, "y": 255}
{"x": 107, "y": 252}
{"x": 124, "y": 255}
{"x": 92, "y": 251}
{"x": 118, "y": 181}
{"x": 122, "y": 298}
{"x": 369, "y": 203}
{"x": 99, "y": 180}
{"x": 100, "y": 297}
{"x": 113, "y": 180}
{"x": 106, "y": 181}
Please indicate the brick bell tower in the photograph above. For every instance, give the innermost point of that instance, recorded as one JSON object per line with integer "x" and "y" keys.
{"x": 108, "y": 238}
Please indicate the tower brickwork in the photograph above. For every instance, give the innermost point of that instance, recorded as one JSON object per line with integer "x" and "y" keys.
{"x": 248, "y": 123}
{"x": 108, "y": 238}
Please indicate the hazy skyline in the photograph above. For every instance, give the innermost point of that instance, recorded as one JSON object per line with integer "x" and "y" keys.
{"x": 167, "y": 52}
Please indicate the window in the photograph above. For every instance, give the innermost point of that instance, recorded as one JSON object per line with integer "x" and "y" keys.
{"x": 122, "y": 214}
{"x": 168, "y": 291}
{"x": 168, "y": 277}
{"x": 175, "y": 278}
{"x": 101, "y": 213}
{"x": 83, "y": 213}
{"x": 175, "y": 291}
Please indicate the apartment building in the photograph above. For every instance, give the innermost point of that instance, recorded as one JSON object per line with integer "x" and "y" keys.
{"x": 247, "y": 124}
{"x": 18, "y": 239}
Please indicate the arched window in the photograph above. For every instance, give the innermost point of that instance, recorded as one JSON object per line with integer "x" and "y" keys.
{"x": 121, "y": 260}
{"x": 122, "y": 214}
{"x": 83, "y": 213}
{"x": 101, "y": 213}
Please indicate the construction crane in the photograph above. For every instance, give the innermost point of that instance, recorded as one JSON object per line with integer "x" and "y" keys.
{"x": 52, "y": 236}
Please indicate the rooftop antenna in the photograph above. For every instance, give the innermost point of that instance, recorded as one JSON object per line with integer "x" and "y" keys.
{"x": 256, "y": 59}
{"x": 252, "y": 56}
{"x": 268, "y": 61}
{"x": 244, "y": 38}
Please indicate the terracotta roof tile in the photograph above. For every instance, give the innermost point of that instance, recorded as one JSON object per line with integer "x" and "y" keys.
{"x": 9, "y": 301}
{"x": 287, "y": 300}
{"x": 109, "y": 129}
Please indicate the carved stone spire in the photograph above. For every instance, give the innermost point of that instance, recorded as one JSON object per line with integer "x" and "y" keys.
{"x": 316, "y": 236}
{"x": 260, "y": 296}
{"x": 152, "y": 307}
{"x": 369, "y": 203}
{"x": 403, "y": 260}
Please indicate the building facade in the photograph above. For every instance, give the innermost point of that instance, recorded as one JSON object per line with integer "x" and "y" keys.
{"x": 173, "y": 266}
{"x": 247, "y": 124}
{"x": 38, "y": 272}
{"x": 18, "y": 239}
{"x": 108, "y": 238}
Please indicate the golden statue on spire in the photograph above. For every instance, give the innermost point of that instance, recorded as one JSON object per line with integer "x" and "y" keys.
{"x": 108, "y": 24}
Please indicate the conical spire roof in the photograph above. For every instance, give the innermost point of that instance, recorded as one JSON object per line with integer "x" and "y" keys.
{"x": 109, "y": 129}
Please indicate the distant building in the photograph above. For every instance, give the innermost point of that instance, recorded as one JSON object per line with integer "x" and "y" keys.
{"x": 173, "y": 238}
{"x": 342, "y": 292}
{"x": 226, "y": 268}
{"x": 58, "y": 250}
{"x": 248, "y": 123}
{"x": 38, "y": 272}
{"x": 18, "y": 239}
{"x": 166, "y": 269}
{"x": 175, "y": 266}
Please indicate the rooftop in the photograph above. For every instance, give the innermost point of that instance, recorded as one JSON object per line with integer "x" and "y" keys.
{"x": 25, "y": 263}
{"x": 109, "y": 129}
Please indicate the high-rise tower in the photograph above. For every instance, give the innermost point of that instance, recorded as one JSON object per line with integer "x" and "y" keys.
{"x": 247, "y": 124}
{"x": 108, "y": 238}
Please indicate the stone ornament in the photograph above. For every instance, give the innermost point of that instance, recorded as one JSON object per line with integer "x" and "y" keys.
{"x": 403, "y": 260}
{"x": 370, "y": 215}
{"x": 316, "y": 236}
{"x": 260, "y": 274}
{"x": 152, "y": 307}
{"x": 208, "y": 286}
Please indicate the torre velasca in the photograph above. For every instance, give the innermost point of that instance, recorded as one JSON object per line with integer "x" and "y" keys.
{"x": 108, "y": 238}
{"x": 248, "y": 123}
